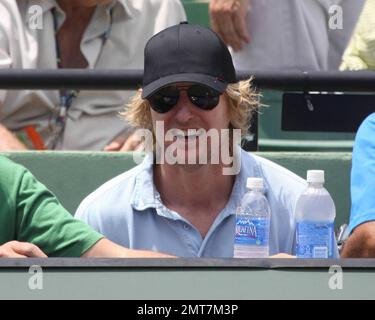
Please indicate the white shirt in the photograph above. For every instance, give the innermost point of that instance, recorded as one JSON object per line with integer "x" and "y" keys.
{"x": 295, "y": 35}
{"x": 92, "y": 120}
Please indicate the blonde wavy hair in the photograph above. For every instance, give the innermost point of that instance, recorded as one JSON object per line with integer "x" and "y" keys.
{"x": 242, "y": 97}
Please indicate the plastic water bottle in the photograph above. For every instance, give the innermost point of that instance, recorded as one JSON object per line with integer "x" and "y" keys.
{"x": 253, "y": 222}
{"x": 315, "y": 215}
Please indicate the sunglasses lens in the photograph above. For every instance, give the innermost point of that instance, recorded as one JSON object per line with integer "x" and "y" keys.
{"x": 165, "y": 99}
{"x": 204, "y": 97}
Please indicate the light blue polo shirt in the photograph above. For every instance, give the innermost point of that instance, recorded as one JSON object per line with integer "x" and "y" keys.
{"x": 128, "y": 210}
{"x": 363, "y": 174}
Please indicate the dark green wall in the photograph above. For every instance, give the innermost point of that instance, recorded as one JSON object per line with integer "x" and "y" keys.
{"x": 197, "y": 12}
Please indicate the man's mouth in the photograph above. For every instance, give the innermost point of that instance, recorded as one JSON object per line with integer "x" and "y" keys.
{"x": 188, "y": 134}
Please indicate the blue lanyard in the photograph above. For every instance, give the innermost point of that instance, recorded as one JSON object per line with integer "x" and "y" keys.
{"x": 67, "y": 96}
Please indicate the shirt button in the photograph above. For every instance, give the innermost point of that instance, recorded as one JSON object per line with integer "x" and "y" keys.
{"x": 186, "y": 226}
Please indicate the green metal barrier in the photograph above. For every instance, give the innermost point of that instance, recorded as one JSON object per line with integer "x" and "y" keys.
{"x": 73, "y": 175}
{"x": 189, "y": 279}
{"x": 197, "y": 11}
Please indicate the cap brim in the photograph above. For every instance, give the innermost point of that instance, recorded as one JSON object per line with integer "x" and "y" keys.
{"x": 199, "y": 78}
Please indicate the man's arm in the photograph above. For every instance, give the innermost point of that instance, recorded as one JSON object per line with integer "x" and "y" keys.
{"x": 228, "y": 20}
{"x": 361, "y": 243}
{"x": 108, "y": 249}
{"x": 102, "y": 249}
{"x": 8, "y": 141}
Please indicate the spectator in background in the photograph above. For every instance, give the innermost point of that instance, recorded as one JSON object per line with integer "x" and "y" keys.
{"x": 360, "y": 53}
{"x": 95, "y": 34}
{"x": 34, "y": 224}
{"x": 361, "y": 242}
{"x": 283, "y": 35}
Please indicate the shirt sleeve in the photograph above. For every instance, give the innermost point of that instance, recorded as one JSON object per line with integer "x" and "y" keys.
{"x": 363, "y": 174}
{"x": 42, "y": 220}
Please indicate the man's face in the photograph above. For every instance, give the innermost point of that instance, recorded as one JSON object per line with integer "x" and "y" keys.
{"x": 185, "y": 122}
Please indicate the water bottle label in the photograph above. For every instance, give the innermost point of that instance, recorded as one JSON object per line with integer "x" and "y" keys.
{"x": 314, "y": 239}
{"x": 251, "y": 231}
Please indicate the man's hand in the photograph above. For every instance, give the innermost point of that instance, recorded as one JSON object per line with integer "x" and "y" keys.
{"x": 282, "y": 256}
{"x": 8, "y": 141}
{"x": 361, "y": 243}
{"x": 126, "y": 142}
{"x": 16, "y": 249}
{"x": 228, "y": 20}
{"x": 105, "y": 248}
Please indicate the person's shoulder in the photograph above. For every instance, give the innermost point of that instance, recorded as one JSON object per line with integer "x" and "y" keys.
{"x": 115, "y": 188}
{"x": 369, "y": 122}
{"x": 282, "y": 187}
{"x": 10, "y": 168}
{"x": 365, "y": 138}
{"x": 12, "y": 176}
{"x": 277, "y": 173}
{"x": 366, "y": 131}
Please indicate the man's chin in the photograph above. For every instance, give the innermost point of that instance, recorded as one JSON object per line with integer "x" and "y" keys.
{"x": 190, "y": 167}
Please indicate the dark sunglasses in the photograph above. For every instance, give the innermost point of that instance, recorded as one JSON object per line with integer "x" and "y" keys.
{"x": 201, "y": 96}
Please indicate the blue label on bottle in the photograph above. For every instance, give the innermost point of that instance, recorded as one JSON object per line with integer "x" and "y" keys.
{"x": 251, "y": 231}
{"x": 314, "y": 239}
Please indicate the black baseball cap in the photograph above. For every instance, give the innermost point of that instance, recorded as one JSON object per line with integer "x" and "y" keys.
{"x": 186, "y": 53}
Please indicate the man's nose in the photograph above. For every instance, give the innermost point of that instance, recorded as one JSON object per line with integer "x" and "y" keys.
{"x": 184, "y": 108}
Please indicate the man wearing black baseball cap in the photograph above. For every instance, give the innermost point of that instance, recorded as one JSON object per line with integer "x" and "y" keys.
{"x": 173, "y": 202}
{"x": 176, "y": 55}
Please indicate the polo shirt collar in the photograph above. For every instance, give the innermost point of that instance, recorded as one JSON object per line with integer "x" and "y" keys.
{"x": 144, "y": 190}
{"x": 146, "y": 196}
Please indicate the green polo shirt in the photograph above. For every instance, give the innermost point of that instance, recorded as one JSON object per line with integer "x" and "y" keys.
{"x": 29, "y": 212}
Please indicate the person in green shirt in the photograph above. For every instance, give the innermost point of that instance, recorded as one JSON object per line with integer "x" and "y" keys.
{"x": 34, "y": 224}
